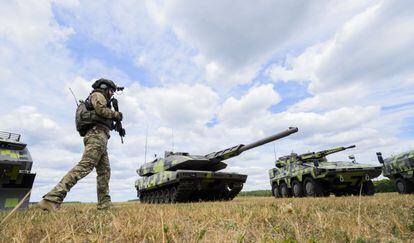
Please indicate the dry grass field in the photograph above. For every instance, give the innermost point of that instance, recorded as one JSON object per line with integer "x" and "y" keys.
{"x": 387, "y": 217}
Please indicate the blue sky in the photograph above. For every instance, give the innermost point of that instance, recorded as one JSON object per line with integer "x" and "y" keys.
{"x": 218, "y": 73}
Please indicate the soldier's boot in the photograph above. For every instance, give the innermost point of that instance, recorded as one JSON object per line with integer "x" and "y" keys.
{"x": 106, "y": 206}
{"x": 49, "y": 206}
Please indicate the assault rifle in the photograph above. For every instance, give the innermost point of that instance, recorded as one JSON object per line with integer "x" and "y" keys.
{"x": 118, "y": 125}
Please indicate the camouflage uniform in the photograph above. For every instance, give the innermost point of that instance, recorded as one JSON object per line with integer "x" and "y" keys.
{"x": 95, "y": 155}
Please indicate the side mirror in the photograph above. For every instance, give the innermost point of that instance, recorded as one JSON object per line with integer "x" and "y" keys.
{"x": 380, "y": 159}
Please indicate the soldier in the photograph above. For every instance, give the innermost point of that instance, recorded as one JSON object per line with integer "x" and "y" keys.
{"x": 95, "y": 154}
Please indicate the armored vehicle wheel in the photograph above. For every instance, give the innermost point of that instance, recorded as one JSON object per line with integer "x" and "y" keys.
{"x": 297, "y": 189}
{"x": 142, "y": 197}
{"x": 166, "y": 196}
{"x": 158, "y": 196}
{"x": 152, "y": 197}
{"x": 368, "y": 188}
{"x": 403, "y": 186}
{"x": 285, "y": 191}
{"x": 173, "y": 194}
{"x": 312, "y": 188}
{"x": 275, "y": 191}
{"x": 147, "y": 197}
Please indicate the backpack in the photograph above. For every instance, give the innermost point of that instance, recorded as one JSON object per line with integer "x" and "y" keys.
{"x": 84, "y": 118}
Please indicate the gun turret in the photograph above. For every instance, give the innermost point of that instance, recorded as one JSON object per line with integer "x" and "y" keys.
{"x": 314, "y": 157}
{"x": 323, "y": 153}
{"x": 209, "y": 162}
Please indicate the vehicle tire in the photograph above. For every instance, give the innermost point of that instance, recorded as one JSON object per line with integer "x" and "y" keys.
{"x": 403, "y": 186}
{"x": 275, "y": 191}
{"x": 312, "y": 187}
{"x": 368, "y": 188}
{"x": 297, "y": 189}
{"x": 285, "y": 191}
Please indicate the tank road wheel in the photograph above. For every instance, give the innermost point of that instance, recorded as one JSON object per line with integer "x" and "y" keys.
{"x": 403, "y": 186}
{"x": 297, "y": 189}
{"x": 142, "y": 197}
{"x": 312, "y": 188}
{"x": 275, "y": 190}
{"x": 158, "y": 196}
{"x": 285, "y": 191}
{"x": 368, "y": 188}
{"x": 166, "y": 196}
{"x": 151, "y": 197}
{"x": 173, "y": 195}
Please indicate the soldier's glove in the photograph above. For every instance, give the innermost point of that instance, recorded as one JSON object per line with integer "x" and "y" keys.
{"x": 118, "y": 116}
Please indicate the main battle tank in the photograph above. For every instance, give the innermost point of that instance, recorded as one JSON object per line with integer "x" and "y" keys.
{"x": 182, "y": 177}
{"x": 400, "y": 169}
{"x": 16, "y": 180}
{"x": 311, "y": 174}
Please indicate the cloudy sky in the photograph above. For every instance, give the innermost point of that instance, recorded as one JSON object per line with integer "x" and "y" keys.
{"x": 205, "y": 75}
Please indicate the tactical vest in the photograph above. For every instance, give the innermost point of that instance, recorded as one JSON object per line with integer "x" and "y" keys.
{"x": 86, "y": 117}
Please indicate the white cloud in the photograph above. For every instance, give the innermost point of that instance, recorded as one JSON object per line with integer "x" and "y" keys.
{"x": 360, "y": 63}
{"x": 252, "y": 105}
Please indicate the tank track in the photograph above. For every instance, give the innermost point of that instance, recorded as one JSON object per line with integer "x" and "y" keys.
{"x": 185, "y": 191}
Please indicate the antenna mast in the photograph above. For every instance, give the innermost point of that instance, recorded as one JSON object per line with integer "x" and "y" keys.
{"x": 76, "y": 100}
{"x": 172, "y": 136}
{"x": 146, "y": 144}
{"x": 274, "y": 151}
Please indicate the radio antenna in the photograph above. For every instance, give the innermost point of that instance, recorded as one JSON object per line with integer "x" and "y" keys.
{"x": 146, "y": 144}
{"x": 172, "y": 139}
{"x": 274, "y": 151}
{"x": 73, "y": 94}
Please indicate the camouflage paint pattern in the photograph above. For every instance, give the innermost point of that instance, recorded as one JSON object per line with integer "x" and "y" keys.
{"x": 399, "y": 165}
{"x": 95, "y": 155}
{"x": 337, "y": 175}
{"x": 16, "y": 180}
{"x": 195, "y": 177}
{"x": 170, "y": 177}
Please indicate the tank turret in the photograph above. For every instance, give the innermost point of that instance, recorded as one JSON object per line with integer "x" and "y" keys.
{"x": 211, "y": 162}
{"x": 199, "y": 172}
{"x": 16, "y": 179}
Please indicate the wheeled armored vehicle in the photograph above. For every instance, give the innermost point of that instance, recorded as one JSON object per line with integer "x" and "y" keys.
{"x": 16, "y": 179}
{"x": 399, "y": 169}
{"x": 312, "y": 175}
{"x": 182, "y": 177}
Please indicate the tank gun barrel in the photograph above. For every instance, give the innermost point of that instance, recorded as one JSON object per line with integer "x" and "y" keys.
{"x": 236, "y": 150}
{"x": 335, "y": 150}
{"x": 323, "y": 153}
{"x": 269, "y": 139}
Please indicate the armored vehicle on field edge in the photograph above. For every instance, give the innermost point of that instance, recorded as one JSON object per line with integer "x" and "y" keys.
{"x": 400, "y": 169}
{"x": 16, "y": 180}
{"x": 311, "y": 174}
{"x": 182, "y": 177}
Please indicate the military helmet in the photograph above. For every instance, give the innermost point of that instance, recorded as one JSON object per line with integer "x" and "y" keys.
{"x": 103, "y": 83}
